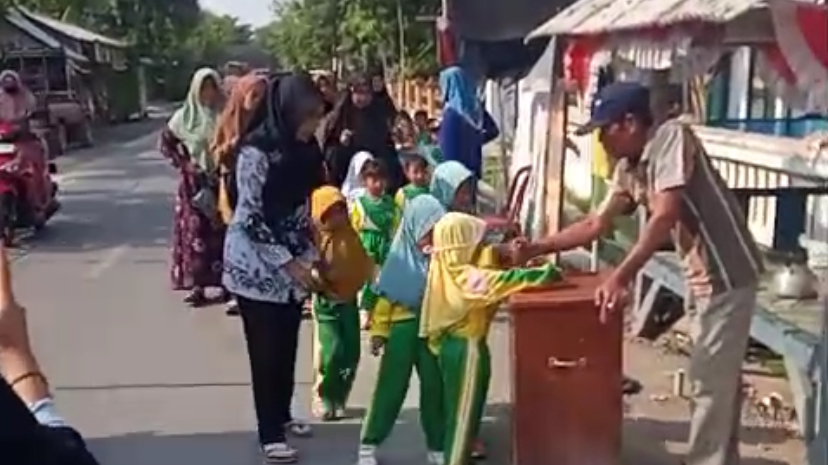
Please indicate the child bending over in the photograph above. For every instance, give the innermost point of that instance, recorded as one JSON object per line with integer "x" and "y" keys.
{"x": 395, "y": 335}
{"x": 463, "y": 291}
{"x": 343, "y": 270}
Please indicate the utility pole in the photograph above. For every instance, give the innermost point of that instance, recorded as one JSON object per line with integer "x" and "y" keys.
{"x": 401, "y": 37}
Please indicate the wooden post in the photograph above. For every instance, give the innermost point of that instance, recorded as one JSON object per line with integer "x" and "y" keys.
{"x": 818, "y": 447}
{"x": 430, "y": 100}
{"x": 556, "y": 145}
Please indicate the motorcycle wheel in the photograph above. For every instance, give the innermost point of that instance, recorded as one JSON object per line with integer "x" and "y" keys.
{"x": 8, "y": 218}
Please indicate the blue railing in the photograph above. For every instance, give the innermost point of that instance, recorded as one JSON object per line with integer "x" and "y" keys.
{"x": 787, "y": 127}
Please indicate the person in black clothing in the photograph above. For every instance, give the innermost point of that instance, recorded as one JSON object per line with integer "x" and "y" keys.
{"x": 360, "y": 122}
{"x": 382, "y": 99}
{"x": 268, "y": 249}
{"x": 327, "y": 87}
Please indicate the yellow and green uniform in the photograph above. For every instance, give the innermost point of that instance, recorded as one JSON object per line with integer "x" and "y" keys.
{"x": 338, "y": 350}
{"x": 408, "y": 192}
{"x": 375, "y": 219}
{"x": 463, "y": 292}
{"x": 395, "y": 319}
{"x": 344, "y": 269}
{"x": 404, "y": 352}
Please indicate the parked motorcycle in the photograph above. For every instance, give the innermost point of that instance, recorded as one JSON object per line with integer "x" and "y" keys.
{"x": 23, "y": 204}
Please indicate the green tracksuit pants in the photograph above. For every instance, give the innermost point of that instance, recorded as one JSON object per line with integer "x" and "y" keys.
{"x": 466, "y": 366}
{"x": 338, "y": 349}
{"x": 404, "y": 352}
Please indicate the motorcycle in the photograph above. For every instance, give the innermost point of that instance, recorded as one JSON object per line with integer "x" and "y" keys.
{"x": 22, "y": 202}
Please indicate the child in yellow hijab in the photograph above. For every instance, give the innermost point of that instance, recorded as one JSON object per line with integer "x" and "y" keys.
{"x": 342, "y": 272}
{"x": 463, "y": 291}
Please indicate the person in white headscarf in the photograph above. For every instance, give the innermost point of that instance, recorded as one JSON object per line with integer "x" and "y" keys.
{"x": 353, "y": 186}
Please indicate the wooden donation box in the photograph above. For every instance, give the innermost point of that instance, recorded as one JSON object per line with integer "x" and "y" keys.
{"x": 567, "y": 376}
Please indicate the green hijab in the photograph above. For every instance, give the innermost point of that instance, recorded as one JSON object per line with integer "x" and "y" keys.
{"x": 195, "y": 123}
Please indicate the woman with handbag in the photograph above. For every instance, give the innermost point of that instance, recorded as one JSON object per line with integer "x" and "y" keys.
{"x": 198, "y": 231}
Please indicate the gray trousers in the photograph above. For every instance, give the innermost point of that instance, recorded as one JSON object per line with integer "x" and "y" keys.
{"x": 720, "y": 328}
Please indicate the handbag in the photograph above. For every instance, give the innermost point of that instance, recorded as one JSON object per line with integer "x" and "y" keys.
{"x": 205, "y": 200}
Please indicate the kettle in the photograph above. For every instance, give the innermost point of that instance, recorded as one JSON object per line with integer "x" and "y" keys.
{"x": 795, "y": 280}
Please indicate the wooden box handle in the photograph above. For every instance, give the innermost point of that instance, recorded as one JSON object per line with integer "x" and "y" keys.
{"x": 561, "y": 364}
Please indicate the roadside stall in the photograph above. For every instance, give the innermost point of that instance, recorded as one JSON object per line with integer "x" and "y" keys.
{"x": 670, "y": 42}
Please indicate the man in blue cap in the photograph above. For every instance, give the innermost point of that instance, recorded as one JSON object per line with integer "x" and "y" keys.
{"x": 664, "y": 167}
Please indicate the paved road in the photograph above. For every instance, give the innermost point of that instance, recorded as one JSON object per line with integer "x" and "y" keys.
{"x": 148, "y": 380}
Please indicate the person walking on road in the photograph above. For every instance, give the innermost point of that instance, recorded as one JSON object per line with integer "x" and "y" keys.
{"x": 665, "y": 168}
{"x": 465, "y": 126}
{"x": 360, "y": 123}
{"x": 233, "y": 121}
{"x": 197, "y": 232}
{"x": 344, "y": 268}
{"x": 395, "y": 322}
{"x": 463, "y": 291}
{"x": 269, "y": 250}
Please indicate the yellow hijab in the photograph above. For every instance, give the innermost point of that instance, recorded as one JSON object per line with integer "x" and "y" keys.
{"x": 458, "y": 284}
{"x": 346, "y": 267}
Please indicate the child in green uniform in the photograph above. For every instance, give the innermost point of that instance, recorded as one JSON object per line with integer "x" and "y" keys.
{"x": 374, "y": 215}
{"x": 342, "y": 271}
{"x": 394, "y": 334}
{"x": 453, "y": 185}
{"x": 463, "y": 291}
{"x": 418, "y": 172}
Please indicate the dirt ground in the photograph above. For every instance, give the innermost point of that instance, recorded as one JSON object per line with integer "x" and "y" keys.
{"x": 656, "y": 424}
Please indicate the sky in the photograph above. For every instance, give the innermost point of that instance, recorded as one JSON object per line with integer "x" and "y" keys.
{"x": 254, "y": 12}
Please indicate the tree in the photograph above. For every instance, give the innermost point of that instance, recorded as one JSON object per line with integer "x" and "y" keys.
{"x": 214, "y": 34}
{"x": 311, "y": 33}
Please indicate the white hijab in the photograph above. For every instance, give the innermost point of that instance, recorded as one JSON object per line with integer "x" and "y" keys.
{"x": 353, "y": 186}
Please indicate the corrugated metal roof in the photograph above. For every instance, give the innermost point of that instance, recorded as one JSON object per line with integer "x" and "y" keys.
{"x": 20, "y": 21}
{"x": 75, "y": 32}
{"x": 592, "y": 17}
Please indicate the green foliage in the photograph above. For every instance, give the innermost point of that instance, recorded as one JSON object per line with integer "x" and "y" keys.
{"x": 312, "y": 33}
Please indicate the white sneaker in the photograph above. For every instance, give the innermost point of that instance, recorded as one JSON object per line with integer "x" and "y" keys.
{"x": 299, "y": 428}
{"x": 367, "y": 455}
{"x": 280, "y": 452}
{"x": 436, "y": 458}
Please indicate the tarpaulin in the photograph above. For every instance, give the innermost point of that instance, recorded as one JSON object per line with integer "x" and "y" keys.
{"x": 802, "y": 40}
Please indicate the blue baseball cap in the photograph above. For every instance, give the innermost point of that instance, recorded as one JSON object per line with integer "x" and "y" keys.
{"x": 616, "y": 101}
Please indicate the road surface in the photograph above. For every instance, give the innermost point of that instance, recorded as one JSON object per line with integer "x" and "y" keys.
{"x": 151, "y": 382}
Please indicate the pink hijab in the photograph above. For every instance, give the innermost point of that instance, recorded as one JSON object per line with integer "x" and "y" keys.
{"x": 15, "y": 106}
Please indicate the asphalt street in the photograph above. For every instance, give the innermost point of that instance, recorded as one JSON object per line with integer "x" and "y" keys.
{"x": 147, "y": 380}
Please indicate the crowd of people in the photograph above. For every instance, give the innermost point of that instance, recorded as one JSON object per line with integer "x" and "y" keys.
{"x": 293, "y": 195}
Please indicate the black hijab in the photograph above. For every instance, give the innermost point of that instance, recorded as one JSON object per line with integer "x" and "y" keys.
{"x": 372, "y": 133}
{"x": 382, "y": 99}
{"x": 296, "y": 167}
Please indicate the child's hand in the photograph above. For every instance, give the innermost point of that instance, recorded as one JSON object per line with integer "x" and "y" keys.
{"x": 377, "y": 344}
{"x": 364, "y": 320}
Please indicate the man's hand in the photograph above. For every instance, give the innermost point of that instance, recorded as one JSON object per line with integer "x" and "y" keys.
{"x": 377, "y": 344}
{"x": 610, "y": 296}
{"x": 345, "y": 137}
{"x": 514, "y": 252}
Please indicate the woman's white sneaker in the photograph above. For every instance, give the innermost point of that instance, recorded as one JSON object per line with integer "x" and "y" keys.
{"x": 280, "y": 452}
{"x": 367, "y": 455}
{"x": 436, "y": 458}
{"x": 299, "y": 428}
